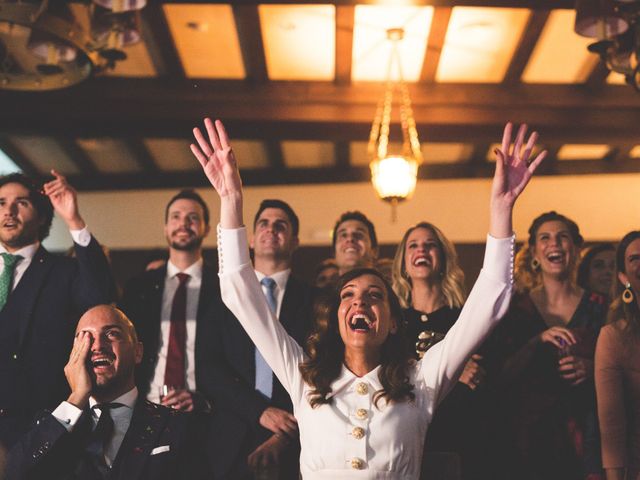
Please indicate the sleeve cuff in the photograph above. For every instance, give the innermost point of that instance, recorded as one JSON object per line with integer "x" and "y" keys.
{"x": 67, "y": 414}
{"x": 499, "y": 257}
{"x": 81, "y": 237}
{"x": 233, "y": 251}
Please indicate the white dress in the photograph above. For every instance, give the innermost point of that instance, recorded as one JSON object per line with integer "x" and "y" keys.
{"x": 352, "y": 438}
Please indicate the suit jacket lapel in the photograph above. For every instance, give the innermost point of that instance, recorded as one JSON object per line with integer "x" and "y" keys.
{"x": 28, "y": 289}
{"x": 147, "y": 423}
{"x": 154, "y": 303}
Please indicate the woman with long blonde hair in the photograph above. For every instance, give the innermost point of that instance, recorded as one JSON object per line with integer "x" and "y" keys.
{"x": 430, "y": 285}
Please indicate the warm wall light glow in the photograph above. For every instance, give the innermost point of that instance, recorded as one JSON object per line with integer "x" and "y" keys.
{"x": 615, "y": 78}
{"x": 635, "y": 152}
{"x": 371, "y": 49}
{"x": 480, "y": 43}
{"x": 561, "y": 55}
{"x": 394, "y": 178}
{"x": 299, "y": 41}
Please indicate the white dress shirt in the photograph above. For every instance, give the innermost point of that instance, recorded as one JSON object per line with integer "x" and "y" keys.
{"x": 351, "y": 437}
{"x": 68, "y": 415}
{"x": 171, "y": 283}
{"x": 81, "y": 237}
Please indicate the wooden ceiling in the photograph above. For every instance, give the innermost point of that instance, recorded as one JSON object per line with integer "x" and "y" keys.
{"x": 297, "y": 85}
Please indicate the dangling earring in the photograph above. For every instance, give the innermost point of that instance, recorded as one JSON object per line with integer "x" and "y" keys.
{"x": 535, "y": 264}
{"x": 627, "y": 295}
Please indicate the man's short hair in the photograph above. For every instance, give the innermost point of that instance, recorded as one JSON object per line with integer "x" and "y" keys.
{"x": 360, "y": 217}
{"x": 285, "y": 207}
{"x": 40, "y": 201}
{"x": 188, "y": 194}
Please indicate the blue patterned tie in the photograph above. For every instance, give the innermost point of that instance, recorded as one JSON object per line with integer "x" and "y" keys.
{"x": 264, "y": 375}
{"x": 6, "y": 277}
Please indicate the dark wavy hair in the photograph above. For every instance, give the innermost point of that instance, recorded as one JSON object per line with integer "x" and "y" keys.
{"x": 584, "y": 269}
{"x": 40, "y": 201}
{"x": 620, "y": 310}
{"x": 326, "y": 350}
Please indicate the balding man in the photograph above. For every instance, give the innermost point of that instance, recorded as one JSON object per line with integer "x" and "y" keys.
{"x": 104, "y": 430}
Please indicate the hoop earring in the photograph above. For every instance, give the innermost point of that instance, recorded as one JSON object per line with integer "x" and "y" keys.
{"x": 535, "y": 264}
{"x": 627, "y": 294}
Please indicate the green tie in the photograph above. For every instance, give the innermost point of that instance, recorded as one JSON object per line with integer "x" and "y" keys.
{"x": 6, "y": 277}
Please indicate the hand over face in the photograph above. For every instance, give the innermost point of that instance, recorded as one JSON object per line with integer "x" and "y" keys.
{"x": 77, "y": 372}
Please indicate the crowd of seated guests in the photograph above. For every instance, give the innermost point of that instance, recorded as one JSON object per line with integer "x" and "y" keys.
{"x": 554, "y": 393}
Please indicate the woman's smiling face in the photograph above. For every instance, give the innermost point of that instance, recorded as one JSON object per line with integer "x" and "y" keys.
{"x": 364, "y": 314}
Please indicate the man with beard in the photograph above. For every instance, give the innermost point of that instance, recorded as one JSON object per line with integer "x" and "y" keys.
{"x": 41, "y": 296}
{"x": 243, "y": 382}
{"x": 169, "y": 306}
{"x": 105, "y": 429}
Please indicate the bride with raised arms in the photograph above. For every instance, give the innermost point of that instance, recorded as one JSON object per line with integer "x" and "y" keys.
{"x": 362, "y": 402}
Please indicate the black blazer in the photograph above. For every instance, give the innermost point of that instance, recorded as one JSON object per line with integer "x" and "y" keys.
{"x": 48, "y": 451}
{"x": 36, "y": 331}
{"x": 142, "y": 302}
{"x": 232, "y": 380}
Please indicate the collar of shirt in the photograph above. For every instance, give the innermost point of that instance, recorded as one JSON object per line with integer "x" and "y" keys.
{"x": 281, "y": 278}
{"x": 26, "y": 253}
{"x": 127, "y": 399}
{"x": 348, "y": 379}
{"x": 194, "y": 270}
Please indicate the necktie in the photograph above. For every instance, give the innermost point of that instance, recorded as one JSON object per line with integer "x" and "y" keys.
{"x": 264, "y": 375}
{"x": 6, "y": 277}
{"x": 174, "y": 372}
{"x": 102, "y": 434}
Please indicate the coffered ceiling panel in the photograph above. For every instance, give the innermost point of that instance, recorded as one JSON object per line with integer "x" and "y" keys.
{"x": 306, "y": 154}
{"x": 446, "y": 152}
{"x": 583, "y": 152}
{"x": 251, "y": 154}
{"x": 206, "y": 39}
{"x": 299, "y": 41}
{"x": 45, "y": 153}
{"x": 561, "y": 55}
{"x": 480, "y": 43}
{"x": 171, "y": 154}
{"x": 109, "y": 155}
{"x": 371, "y": 48}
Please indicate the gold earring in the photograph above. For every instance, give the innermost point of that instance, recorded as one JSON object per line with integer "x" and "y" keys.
{"x": 535, "y": 264}
{"x": 627, "y": 294}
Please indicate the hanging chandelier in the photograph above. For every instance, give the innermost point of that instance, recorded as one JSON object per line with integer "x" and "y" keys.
{"x": 616, "y": 26}
{"x": 44, "y": 45}
{"x": 394, "y": 174}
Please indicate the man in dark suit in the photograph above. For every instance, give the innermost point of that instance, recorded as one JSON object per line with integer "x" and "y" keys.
{"x": 105, "y": 430}
{"x": 173, "y": 309}
{"x": 41, "y": 296}
{"x": 241, "y": 381}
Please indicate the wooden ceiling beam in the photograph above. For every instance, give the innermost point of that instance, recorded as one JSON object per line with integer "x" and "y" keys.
{"x": 322, "y": 110}
{"x": 141, "y": 155}
{"x": 160, "y": 42}
{"x": 77, "y": 155}
{"x": 435, "y": 42}
{"x": 345, "y": 23}
{"x": 247, "y": 20}
{"x": 529, "y": 40}
{"x": 338, "y": 174}
{"x": 532, "y": 4}
{"x": 19, "y": 158}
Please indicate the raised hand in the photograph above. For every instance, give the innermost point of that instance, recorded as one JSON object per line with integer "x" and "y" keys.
{"x": 513, "y": 172}
{"x": 513, "y": 169}
{"x": 217, "y": 159}
{"x": 64, "y": 200}
{"x": 219, "y": 165}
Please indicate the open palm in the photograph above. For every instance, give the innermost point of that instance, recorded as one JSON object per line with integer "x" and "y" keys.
{"x": 217, "y": 159}
{"x": 513, "y": 169}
